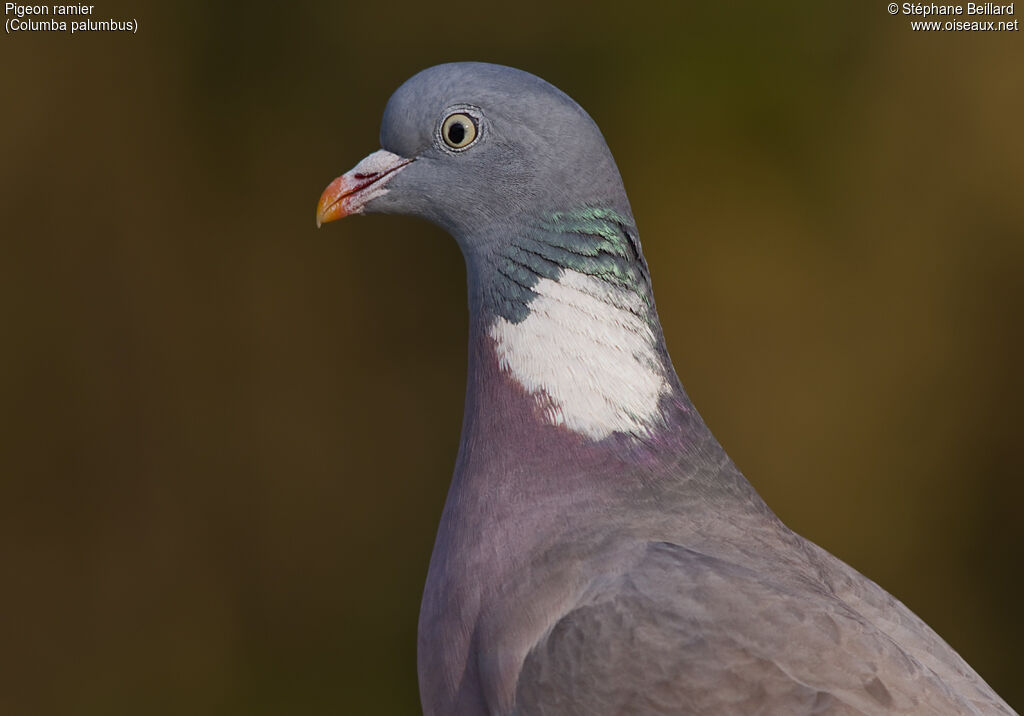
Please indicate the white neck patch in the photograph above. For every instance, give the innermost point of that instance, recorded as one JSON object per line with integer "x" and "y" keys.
{"x": 586, "y": 356}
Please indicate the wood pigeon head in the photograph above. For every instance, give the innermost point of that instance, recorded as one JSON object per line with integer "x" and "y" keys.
{"x": 477, "y": 149}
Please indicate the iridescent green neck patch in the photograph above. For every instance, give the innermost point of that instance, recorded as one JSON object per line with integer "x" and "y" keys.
{"x": 593, "y": 241}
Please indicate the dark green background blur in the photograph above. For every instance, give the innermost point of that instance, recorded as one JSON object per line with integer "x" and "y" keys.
{"x": 226, "y": 437}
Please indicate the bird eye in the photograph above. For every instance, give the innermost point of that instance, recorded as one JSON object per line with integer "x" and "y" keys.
{"x": 458, "y": 130}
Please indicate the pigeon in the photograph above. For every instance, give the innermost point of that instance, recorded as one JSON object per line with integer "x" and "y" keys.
{"x": 598, "y": 552}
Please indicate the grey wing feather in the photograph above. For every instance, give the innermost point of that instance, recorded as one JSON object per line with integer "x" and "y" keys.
{"x": 913, "y": 635}
{"x": 681, "y": 632}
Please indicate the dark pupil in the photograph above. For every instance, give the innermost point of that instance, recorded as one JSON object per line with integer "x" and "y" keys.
{"x": 457, "y": 132}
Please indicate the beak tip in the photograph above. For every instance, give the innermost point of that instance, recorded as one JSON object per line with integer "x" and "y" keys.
{"x": 332, "y": 204}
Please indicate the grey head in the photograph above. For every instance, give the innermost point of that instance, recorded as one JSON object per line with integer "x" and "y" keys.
{"x": 517, "y": 146}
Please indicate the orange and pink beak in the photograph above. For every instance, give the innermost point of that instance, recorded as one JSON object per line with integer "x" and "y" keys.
{"x": 350, "y": 192}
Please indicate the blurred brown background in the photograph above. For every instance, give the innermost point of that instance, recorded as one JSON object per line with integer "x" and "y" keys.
{"x": 202, "y": 507}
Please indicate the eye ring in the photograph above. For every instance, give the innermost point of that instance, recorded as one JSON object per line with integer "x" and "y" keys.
{"x": 459, "y": 130}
